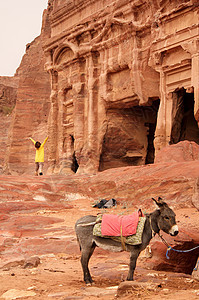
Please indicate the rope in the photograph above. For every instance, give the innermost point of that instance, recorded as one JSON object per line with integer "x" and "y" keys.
{"x": 176, "y": 250}
{"x": 196, "y": 267}
{"x": 123, "y": 239}
{"x": 153, "y": 232}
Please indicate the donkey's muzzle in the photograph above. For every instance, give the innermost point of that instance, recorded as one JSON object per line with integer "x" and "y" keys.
{"x": 175, "y": 233}
{"x": 174, "y": 230}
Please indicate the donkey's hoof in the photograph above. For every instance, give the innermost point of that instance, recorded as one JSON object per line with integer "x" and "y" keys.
{"x": 130, "y": 279}
{"x": 89, "y": 284}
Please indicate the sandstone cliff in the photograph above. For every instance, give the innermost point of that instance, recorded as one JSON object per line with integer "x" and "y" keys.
{"x": 112, "y": 83}
{"x": 124, "y": 81}
{"x": 122, "y": 74}
{"x": 8, "y": 97}
{"x": 26, "y": 96}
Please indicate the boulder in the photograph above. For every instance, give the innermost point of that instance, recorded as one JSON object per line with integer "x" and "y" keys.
{"x": 180, "y": 152}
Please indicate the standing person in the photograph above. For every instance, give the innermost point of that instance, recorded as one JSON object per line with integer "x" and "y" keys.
{"x": 39, "y": 156}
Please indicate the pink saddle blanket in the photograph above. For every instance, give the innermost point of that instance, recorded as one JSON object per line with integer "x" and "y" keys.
{"x": 114, "y": 225}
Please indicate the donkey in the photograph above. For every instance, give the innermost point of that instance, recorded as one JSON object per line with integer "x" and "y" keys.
{"x": 162, "y": 218}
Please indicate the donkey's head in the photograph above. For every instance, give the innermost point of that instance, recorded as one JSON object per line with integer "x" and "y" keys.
{"x": 166, "y": 219}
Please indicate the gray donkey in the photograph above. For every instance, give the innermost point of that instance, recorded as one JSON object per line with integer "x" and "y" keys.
{"x": 162, "y": 218}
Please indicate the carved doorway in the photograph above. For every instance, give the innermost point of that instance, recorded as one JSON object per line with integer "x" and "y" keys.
{"x": 74, "y": 165}
{"x": 184, "y": 125}
{"x": 129, "y": 137}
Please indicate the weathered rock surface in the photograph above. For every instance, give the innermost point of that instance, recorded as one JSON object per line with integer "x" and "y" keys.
{"x": 180, "y": 152}
{"x": 8, "y": 93}
{"x": 160, "y": 286}
{"x": 8, "y": 97}
{"x": 124, "y": 81}
{"x": 116, "y": 85}
{"x": 24, "y": 109}
{"x": 26, "y": 202}
{"x": 31, "y": 111}
{"x": 122, "y": 85}
{"x": 17, "y": 294}
{"x": 37, "y": 225}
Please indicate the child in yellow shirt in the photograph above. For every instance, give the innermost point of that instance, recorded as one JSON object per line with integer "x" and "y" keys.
{"x": 39, "y": 156}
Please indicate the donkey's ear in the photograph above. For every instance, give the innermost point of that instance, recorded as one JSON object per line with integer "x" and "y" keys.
{"x": 159, "y": 202}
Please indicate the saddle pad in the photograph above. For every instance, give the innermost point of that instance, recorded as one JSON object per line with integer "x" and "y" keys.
{"x": 117, "y": 225}
{"x": 134, "y": 239}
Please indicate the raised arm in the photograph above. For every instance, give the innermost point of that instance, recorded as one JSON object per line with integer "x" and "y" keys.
{"x": 32, "y": 140}
{"x": 44, "y": 141}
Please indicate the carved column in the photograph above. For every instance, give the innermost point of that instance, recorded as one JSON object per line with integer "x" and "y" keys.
{"x": 195, "y": 83}
{"x": 79, "y": 120}
{"x": 89, "y": 157}
{"x": 91, "y": 116}
{"x": 52, "y": 124}
{"x": 160, "y": 134}
{"x": 164, "y": 130}
{"x": 62, "y": 154}
{"x": 102, "y": 119}
{"x": 193, "y": 48}
{"x": 66, "y": 160}
{"x": 168, "y": 117}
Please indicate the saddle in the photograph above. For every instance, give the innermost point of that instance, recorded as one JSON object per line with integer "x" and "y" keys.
{"x": 125, "y": 229}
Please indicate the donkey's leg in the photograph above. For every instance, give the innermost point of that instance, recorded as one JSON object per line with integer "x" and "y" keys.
{"x": 133, "y": 259}
{"x": 85, "y": 257}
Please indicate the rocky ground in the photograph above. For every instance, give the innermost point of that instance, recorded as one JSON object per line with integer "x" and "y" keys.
{"x": 40, "y": 258}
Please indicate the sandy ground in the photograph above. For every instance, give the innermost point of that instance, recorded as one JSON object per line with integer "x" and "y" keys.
{"x": 59, "y": 276}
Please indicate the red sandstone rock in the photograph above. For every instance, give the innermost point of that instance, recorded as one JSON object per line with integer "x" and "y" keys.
{"x": 111, "y": 132}
{"x": 31, "y": 108}
{"x": 124, "y": 83}
{"x": 127, "y": 287}
{"x": 132, "y": 81}
{"x": 30, "y": 208}
{"x": 8, "y": 95}
{"x": 31, "y": 112}
{"x": 180, "y": 152}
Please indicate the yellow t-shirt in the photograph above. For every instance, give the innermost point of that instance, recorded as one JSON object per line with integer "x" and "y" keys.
{"x": 39, "y": 156}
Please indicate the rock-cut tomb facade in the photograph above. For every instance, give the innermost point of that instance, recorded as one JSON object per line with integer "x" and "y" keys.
{"x": 124, "y": 81}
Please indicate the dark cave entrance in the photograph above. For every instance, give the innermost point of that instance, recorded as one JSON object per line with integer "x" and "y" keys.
{"x": 183, "y": 260}
{"x": 184, "y": 125}
{"x": 74, "y": 165}
{"x": 150, "y": 149}
{"x": 129, "y": 138}
{"x": 151, "y": 125}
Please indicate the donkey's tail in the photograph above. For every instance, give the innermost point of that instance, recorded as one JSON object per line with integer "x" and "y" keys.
{"x": 87, "y": 224}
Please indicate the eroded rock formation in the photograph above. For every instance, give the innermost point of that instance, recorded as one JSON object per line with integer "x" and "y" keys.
{"x": 120, "y": 83}
{"x": 124, "y": 81}
{"x": 8, "y": 97}
{"x": 38, "y": 214}
{"x": 29, "y": 101}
